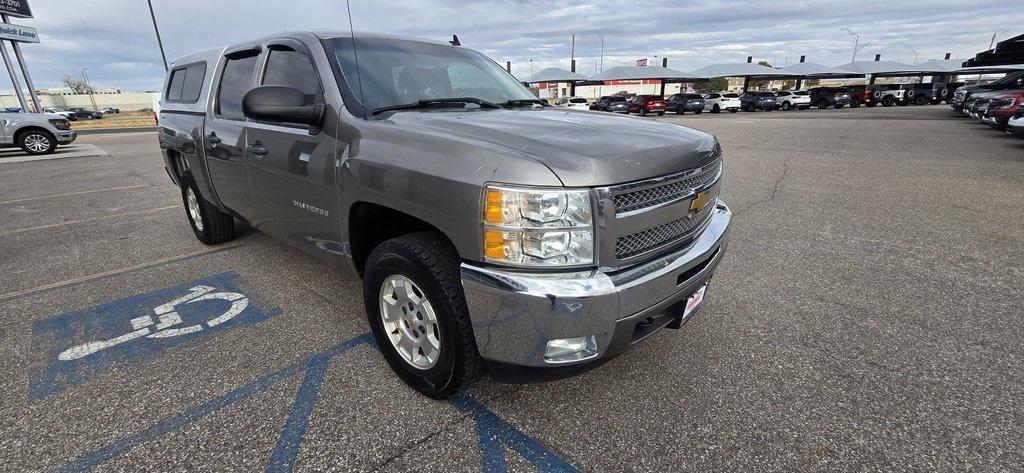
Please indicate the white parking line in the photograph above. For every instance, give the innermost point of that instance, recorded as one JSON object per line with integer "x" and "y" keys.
{"x": 26, "y": 199}
{"x": 85, "y": 220}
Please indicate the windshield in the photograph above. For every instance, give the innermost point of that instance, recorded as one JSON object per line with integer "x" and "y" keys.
{"x": 396, "y": 72}
{"x": 617, "y": 99}
{"x": 801, "y": 92}
{"x": 577, "y": 100}
{"x": 730, "y": 96}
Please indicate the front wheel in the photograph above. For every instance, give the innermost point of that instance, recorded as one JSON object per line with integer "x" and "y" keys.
{"x": 210, "y": 224}
{"x": 855, "y": 103}
{"x": 37, "y": 142}
{"x": 715, "y": 108}
{"x": 888, "y": 101}
{"x": 786, "y": 106}
{"x": 417, "y": 312}
{"x": 823, "y": 104}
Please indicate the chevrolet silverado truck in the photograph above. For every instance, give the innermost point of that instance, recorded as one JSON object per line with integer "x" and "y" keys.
{"x": 35, "y": 133}
{"x": 493, "y": 234}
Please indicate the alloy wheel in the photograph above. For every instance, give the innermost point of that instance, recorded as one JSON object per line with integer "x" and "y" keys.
{"x": 37, "y": 142}
{"x": 193, "y": 208}
{"x": 410, "y": 322}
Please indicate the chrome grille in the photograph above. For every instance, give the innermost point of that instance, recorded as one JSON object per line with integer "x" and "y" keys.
{"x": 645, "y": 240}
{"x": 652, "y": 196}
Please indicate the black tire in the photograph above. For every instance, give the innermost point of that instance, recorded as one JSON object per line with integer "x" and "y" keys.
{"x": 920, "y": 100}
{"x": 697, "y": 112}
{"x": 680, "y": 111}
{"x": 433, "y": 265}
{"x": 643, "y": 112}
{"x": 715, "y": 108}
{"x": 214, "y": 226}
{"x": 36, "y": 142}
{"x": 854, "y": 103}
{"x": 786, "y": 106}
{"x": 661, "y": 113}
{"x": 837, "y": 106}
{"x": 823, "y": 104}
{"x": 871, "y": 104}
{"x": 769, "y": 109}
{"x": 888, "y": 101}
{"x": 733, "y": 110}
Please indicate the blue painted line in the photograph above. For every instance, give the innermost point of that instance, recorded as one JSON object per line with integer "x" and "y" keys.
{"x": 287, "y": 448}
{"x": 162, "y": 427}
{"x": 495, "y": 434}
{"x": 120, "y": 273}
{"x": 51, "y": 337}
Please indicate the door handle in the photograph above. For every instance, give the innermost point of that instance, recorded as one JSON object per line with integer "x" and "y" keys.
{"x": 256, "y": 149}
{"x": 213, "y": 139}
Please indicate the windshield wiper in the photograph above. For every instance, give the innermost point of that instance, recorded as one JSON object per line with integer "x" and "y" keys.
{"x": 517, "y": 102}
{"x": 431, "y": 102}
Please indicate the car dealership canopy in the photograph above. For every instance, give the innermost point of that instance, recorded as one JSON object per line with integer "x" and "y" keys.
{"x": 891, "y": 68}
{"x": 648, "y": 73}
{"x": 555, "y": 74}
{"x": 818, "y": 71}
{"x": 742, "y": 69}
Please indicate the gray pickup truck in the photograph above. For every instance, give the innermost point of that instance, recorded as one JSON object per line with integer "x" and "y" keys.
{"x": 493, "y": 233}
{"x": 35, "y": 133}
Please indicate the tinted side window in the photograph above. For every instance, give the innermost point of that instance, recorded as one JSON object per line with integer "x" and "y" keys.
{"x": 175, "y": 84}
{"x": 194, "y": 76}
{"x": 290, "y": 68}
{"x": 234, "y": 83}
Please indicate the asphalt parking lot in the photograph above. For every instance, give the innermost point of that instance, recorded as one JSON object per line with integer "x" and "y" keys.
{"x": 868, "y": 316}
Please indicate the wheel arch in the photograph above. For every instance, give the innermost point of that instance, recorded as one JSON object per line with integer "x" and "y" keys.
{"x": 28, "y": 128}
{"x": 365, "y": 231}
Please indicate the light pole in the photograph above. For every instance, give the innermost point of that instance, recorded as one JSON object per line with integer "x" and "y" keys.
{"x": 531, "y": 67}
{"x": 915, "y": 53}
{"x": 600, "y": 87}
{"x": 856, "y": 43}
{"x": 88, "y": 86}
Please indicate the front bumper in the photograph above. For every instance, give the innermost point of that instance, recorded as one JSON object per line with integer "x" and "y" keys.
{"x": 65, "y": 136}
{"x": 516, "y": 314}
{"x": 1013, "y": 128}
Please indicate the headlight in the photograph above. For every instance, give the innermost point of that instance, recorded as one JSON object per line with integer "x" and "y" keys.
{"x": 60, "y": 124}
{"x": 538, "y": 227}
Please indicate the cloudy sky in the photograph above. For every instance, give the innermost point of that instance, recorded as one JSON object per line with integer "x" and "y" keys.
{"x": 114, "y": 39}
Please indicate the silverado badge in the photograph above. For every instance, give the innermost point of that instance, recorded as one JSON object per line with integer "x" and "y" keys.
{"x": 698, "y": 202}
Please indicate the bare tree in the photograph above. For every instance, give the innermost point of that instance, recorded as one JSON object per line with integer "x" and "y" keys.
{"x": 78, "y": 86}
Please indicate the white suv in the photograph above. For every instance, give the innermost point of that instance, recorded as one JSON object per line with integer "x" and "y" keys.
{"x": 573, "y": 102}
{"x": 789, "y": 99}
{"x": 717, "y": 101}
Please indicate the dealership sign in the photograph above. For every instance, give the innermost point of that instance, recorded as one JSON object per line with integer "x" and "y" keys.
{"x": 21, "y": 34}
{"x": 639, "y": 62}
{"x": 15, "y": 8}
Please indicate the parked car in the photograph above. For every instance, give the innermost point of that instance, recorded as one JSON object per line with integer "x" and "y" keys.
{"x": 1001, "y": 108}
{"x": 717, "y": 101}
{"x": 572, "y": 102}
{"x": 753, "y": 101}
{"x": 35, "y": 133}
{"x": 13, "y": 110}
{"x": 869, "y": 95}
{"x": 644, "y": 104}
{"x": 1015, "y": 125}
{"x": 1013, "y": 80}
{"x": 491, "y": 234}
{"x": 683, "y": 102}
{"x": 824, "y": 97}
{"x": 944, "y": 91}
{"x": 81, "y": 113}
{"x": 110, "y": 110}
{"x": 918, "y": 94}
{"x": 793, "y": 99}
{"x": 610, "y": 103}
{"x": 67, "y": 114}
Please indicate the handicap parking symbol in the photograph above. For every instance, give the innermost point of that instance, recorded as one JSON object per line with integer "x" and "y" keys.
{"x": 82, "y": 343}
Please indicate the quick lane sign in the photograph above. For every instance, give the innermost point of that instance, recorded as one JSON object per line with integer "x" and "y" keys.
{"x": 16, "y": 8}
{"x": 74, "y": 346}
{"x": 21, "y": 34}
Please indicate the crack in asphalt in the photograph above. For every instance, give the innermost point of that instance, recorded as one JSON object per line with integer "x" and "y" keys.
{"x": 447, "y": 427}
{"x": 771, "y": 196}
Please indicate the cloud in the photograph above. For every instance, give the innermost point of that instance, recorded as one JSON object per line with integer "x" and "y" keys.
{"x": 114, "y": 39}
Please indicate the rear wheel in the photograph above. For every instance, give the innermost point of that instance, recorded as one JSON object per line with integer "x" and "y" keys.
{"x": 680, "y": 111}
{"x": 920, "y": 100}
{"x": 37, "y": 142}
{"x": 786, "y": 105}
{"x": 888, "y": 101}
{"x": 823, "y": 104}
{"x": 854, "y": 103}
{"x": 697, "y": 112}
{"x": 209, "y": 223}
{"x": 417, "y": 312}
{"x": 715, "y": 108}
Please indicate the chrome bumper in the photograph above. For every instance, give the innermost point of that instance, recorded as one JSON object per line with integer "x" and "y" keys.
{"x": 515, "y": 314}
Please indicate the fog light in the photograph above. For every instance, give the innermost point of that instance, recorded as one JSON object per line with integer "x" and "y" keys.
{"x": 564, "y": 350}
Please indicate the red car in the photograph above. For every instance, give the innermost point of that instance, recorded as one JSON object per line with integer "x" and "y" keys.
{"x": 1002, "y": 108}
{"x": 644, "y": 104}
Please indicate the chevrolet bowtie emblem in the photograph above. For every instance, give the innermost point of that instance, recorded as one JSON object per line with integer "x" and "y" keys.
{"x": 698, "y": 203}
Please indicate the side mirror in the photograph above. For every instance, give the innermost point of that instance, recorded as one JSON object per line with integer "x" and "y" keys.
{"x": 281, "y": 104}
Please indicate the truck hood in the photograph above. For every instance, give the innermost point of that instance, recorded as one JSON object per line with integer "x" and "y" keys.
{"x": 582, "y": 148}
